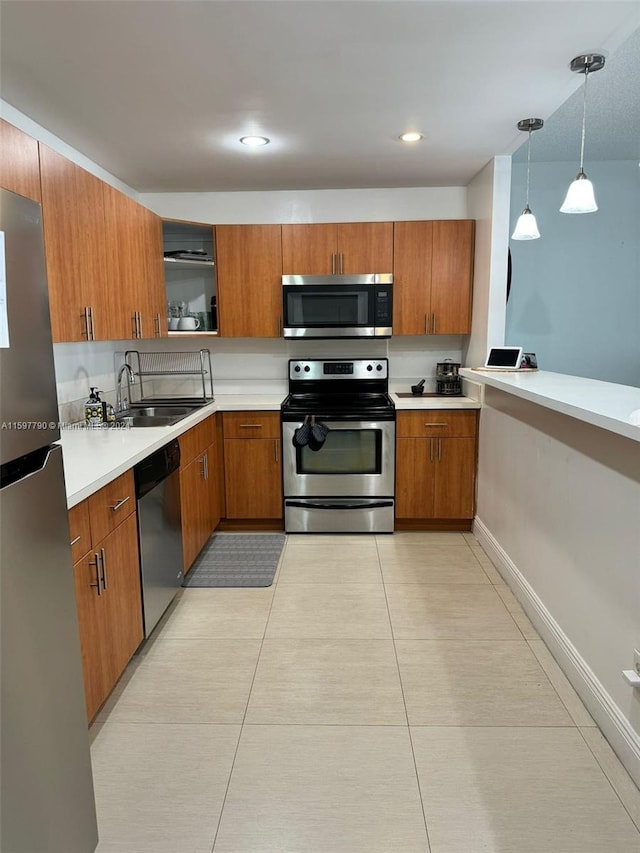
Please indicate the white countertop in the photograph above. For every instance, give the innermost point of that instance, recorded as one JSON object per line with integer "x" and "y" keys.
{"x": 421, "y": 403}
{"x": 604, "y": 404}
{"x": 94, "y": 457}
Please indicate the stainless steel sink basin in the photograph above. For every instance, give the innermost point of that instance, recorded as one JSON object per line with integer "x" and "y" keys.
{"x": 154, "y": 416}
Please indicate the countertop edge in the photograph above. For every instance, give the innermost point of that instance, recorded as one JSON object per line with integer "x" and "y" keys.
{"x": 602, "y": 404}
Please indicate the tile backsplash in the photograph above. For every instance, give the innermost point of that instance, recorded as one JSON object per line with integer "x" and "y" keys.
{"x": 243, "y": 365}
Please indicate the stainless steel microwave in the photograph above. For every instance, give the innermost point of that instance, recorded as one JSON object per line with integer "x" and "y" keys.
{"x": 337, "y": 306}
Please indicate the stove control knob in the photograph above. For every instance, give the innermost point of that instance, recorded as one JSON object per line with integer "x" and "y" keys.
{"x": 297, "y": 368}
{"x": 369, "y": 367}
{"x": 306, "y": 368}
{"x": 379, "y": 367}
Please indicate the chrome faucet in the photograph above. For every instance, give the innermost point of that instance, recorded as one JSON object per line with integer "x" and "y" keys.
{"x": 125, "y": 367}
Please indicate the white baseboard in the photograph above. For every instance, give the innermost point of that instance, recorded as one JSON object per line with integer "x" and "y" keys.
{"x": 617, "y": 729}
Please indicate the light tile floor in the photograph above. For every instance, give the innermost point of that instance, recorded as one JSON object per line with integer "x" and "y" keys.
{"x": 386, "y": 695}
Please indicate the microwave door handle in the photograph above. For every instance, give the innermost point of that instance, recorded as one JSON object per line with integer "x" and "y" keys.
{"x": 320, "y": 505}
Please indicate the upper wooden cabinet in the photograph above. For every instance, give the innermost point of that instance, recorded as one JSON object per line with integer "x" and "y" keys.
{"x": 432, "y": 277}
{"x": 19, "y": 164}
{"x": 135, "y": 273}
{"x": 335, "y": 248}
{"x": 76, "y": 251}
{"x": 249, "y": 280}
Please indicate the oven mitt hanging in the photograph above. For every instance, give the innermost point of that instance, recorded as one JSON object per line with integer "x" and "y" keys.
{"x": 302, "y": 434}
{"x": 318, "y": 434}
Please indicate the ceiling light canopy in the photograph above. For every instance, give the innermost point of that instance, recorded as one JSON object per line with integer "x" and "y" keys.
{"x": 580, "y": 197}
{"x": 254, "y": 141}
{"x": 411, "y": 136}
{"x": 526, "y": 226}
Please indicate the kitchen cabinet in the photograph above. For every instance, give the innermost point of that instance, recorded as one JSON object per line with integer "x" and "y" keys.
{"x": 108, "y": 594}
{"x": 249, "y": 280}
{"x": 81, "y": 306}
{"x": 135, "y": 272}
{"x": 252, "y": 465}
{"x": 199, "y": 488}
{"x": 189, "y": 281}
{"x": 337, "y": 248}
{"x": 432, "y": 277}
{"x": 435, "y": 464}
{"x": 19, "y": 164}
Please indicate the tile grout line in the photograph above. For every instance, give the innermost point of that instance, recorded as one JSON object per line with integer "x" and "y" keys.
{"x": 244, "y": 716}
{"x": 404, "y": 702}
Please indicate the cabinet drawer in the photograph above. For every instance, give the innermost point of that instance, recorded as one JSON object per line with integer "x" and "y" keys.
{"x": 251, "y": 424}
{"x": 194, "y": 442}
{"x": 436, "y": 422}
{"x": 80, "y": 530}
{"x": 111, "y": 505}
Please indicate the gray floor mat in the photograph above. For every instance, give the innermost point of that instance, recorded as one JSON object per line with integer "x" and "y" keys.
{"x": 231, "y": 559}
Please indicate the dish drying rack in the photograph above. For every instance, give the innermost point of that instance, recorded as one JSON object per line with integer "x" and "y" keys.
{"x": 152, "y": 365}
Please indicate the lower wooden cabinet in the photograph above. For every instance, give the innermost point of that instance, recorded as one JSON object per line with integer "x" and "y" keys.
{"x": 108, "y": 597}
{"x": 435, "y": 465}
{"x": 252, "y": 465}
{"x": 199, "y": 489}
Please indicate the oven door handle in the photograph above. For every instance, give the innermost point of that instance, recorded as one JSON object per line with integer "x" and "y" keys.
{"x": 318, "y": 505}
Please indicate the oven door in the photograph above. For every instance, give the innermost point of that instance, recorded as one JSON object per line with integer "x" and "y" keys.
{"x": 357, "y": 459}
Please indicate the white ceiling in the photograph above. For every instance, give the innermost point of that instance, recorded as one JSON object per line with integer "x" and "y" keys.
{"x": 158, "y": 93}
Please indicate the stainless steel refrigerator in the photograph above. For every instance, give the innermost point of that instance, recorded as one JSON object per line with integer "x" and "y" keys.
{"x": 47, "y": 787}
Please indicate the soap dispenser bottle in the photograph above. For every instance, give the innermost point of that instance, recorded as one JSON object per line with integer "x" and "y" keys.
{"x": 93, "y": 411}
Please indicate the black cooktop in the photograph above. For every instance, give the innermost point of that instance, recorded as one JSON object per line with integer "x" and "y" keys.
{"x": 339, "y": 406}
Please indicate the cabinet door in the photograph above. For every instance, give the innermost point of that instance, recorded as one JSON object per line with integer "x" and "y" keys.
{"x": 365, "y": 247}
{"x": 92, "y": 616}
{"x": 309, "y": 249}
{"x": 19, "y": 164}
{"x": 122, "y": 596}
{"x": 76, "y": 251}
{"x": 195, "y": 508}
{"x": 249, "y": 264}
{"x": 253, "y": 479}
{"x": 79, "y": 530}
{"x": 455, "y": 478}
{"x": 415, "y": 472}
{"x": 412, "y": 251}
{"x": 154, "y": 302}
{"x": 452, "y": 277}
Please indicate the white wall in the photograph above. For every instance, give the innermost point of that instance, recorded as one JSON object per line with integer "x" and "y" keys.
{"x": 575, "y": 295}
{"x": 488, "y": 204}
{"x": 558, "y": 511}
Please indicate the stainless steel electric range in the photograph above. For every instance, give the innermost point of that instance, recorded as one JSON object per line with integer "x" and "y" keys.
{"x": 346, "y": 482}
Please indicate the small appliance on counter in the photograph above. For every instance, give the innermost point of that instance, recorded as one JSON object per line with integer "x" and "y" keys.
{"x": 448, "y": 381}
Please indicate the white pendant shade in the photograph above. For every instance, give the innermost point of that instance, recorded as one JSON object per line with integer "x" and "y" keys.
{"x": 580, "y": 197}
{"x": 526, "y": 227}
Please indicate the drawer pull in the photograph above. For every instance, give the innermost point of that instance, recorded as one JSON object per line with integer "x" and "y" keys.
{"x": 116, "y": 506}
{"x": 250, "y": 426}
{"x": 436, "y": 425}
{"x": 76, "y": 540}
{"x": 103, "y": 560}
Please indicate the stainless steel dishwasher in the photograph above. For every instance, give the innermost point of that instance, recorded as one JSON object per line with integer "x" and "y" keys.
{"x": 159, "y": 530}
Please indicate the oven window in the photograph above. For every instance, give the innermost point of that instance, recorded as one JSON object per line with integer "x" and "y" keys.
{"x": 339, "y": 306}
{"x": 345, "y": 451}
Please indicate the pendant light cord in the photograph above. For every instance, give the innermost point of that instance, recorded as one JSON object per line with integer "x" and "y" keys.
{"x": 584, "y": 120}
{"x": 528, "y": 167}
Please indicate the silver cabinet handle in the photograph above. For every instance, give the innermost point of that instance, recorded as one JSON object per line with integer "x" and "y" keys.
{"x": 157, "y": 321}
{"x": 434, "y": 324}
{"x": 93, "y": 331}
{"x": 276, "y": 449}
{"x": 334, "y": 263}
{"x": 436, "y": 425}
{"x": 116, "y": 506}
{"x": 103, "y": 560}
{"x": 85, "y": 317}
{"x": 426, "y": 324}
{"x": 439, "y": 450}
{"x": 341, "y": 263}
{"x": 75, "y": 541}
{"x": 250, "y": 426}
{"x": 430, "y": 450}
{"x": 139, "y": 324}
{"x": 206, "y": 466}
{"x": 96, "y": 564}
{"x": 134, "y": 325}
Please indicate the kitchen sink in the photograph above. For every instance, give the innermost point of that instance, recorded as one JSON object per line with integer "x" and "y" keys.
{"x": 154, "y": 416}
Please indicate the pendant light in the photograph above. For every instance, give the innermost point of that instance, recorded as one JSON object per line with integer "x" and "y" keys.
{"x": 526, "y": 226}
{"x": 580, "y": 197}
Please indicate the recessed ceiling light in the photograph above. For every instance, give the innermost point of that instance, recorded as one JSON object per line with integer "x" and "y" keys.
{"x": 254, "y": 141}
{"x": 413, "y": 136}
